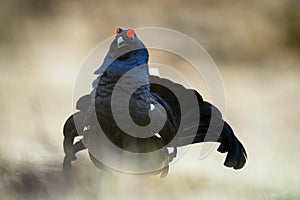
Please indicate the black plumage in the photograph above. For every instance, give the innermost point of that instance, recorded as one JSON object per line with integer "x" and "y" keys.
{"x": 127, "y": 63}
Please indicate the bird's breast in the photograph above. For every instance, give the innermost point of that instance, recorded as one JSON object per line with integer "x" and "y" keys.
{"x": 115, "y": 97}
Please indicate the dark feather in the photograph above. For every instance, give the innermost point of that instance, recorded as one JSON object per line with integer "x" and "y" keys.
{"x": 183, "y": 125}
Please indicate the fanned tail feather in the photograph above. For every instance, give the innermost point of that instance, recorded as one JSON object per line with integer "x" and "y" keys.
{"x": 209, "y": 128}
{"x": 236, "y": 156}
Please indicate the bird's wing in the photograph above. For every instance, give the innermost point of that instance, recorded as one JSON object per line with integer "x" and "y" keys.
{"x": 172, "y": 96}
{"x": 83, "y": 103}
{"x": 209, "y": 126}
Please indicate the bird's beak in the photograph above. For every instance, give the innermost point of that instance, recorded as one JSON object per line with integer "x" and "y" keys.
{"x": 121, "y": 42}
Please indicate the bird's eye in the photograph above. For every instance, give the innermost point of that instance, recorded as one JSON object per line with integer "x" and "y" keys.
{"x": 118, "y": 30}
{"x": 130, "y": 33}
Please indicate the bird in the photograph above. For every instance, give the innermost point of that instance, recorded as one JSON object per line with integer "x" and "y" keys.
{"x": 175, "y": 121}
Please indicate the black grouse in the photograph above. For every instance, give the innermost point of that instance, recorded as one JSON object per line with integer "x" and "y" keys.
{"x": 177, "y": 118}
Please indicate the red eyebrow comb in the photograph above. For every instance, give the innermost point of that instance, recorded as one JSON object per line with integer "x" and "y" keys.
{"x": 118, "y": 30}
{"x": 130, "y": 33}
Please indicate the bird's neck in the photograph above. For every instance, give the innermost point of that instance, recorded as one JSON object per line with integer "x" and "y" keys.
{"x": 117, "y": 91}
{"x": 125, "y": 77}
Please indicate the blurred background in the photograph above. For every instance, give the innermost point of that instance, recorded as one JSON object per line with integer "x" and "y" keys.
{"x": 255, "y": 45}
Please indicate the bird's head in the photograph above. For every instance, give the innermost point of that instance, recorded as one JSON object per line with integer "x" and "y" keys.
{"x": 125, "y": 48}
{"x": 125, "y": 43}
{"x": 126, "y": 37}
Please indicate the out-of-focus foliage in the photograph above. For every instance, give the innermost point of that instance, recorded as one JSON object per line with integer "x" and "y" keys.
{"x": 293, "y": 23}
{"x": 231, "y": 31}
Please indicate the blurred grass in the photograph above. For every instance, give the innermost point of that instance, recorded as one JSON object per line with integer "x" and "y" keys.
{"x": 230, "y": 31}
{"x": 254, "y": 43}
